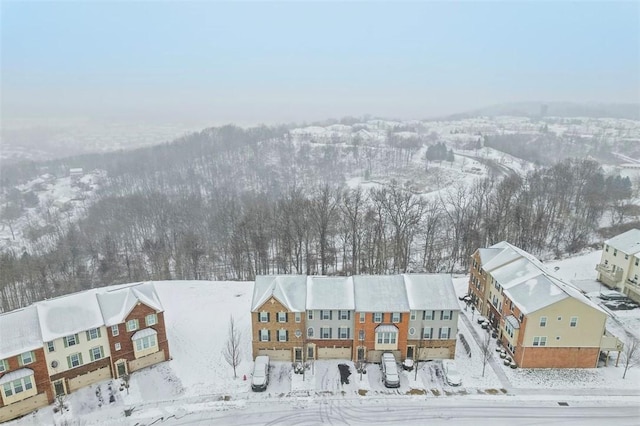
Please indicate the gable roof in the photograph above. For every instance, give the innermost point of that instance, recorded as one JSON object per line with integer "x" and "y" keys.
{"x": 627, "y": 242}
{"x": 430, "y": 291}
{"x": 380, "y": 293}
{"x": 535, "y": 293}
{"x": 486, "y": 254}
{"x": 66, "y": 315}
{"x": 19, "y": 332}
{"x": 116, "y": 304}
{"x": 290, "y": 290}
{"x": 330, "y": 293}
{"x": 506, "y": 255}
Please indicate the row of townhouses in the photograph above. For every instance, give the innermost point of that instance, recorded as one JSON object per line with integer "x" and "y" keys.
{"x": 298, "y": 317}
{"x": 619, "y": 268}
{"x": 60, "y": 345}
{"x": 540, "y": 319}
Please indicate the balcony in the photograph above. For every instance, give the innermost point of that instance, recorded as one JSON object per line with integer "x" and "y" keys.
{"x": 608, "y": 277}
{"x": 609, "y": 342}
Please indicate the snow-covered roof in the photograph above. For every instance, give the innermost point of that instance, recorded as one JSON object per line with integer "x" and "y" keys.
{"x": 506, "y": 255}
{"x": 486, "y": 254}
{"x": 290, "y": 290}
{"x": 117, "y": 303}
{"x": 380, "y": 293}
{"x": 69, "y": 314}
{"x": 15, "y": 375}
{"x": 430, "y": 291}
{"x": 515, "y": 272}
{"x": 19, "y": 332}
{"x": 330, "y": 293}
{"x": 535, "y": 293}
{"x": 627, "y": 242}
{"x": 386, "y": 328}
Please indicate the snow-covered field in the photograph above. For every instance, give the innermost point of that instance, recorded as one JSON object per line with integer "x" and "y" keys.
{"x": 197, "y": 382}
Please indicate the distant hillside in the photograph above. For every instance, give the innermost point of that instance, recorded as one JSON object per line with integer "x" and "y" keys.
{"x": 555, "y": 109}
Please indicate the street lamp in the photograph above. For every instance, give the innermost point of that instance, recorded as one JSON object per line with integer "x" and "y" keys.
{"x": 361, "y": 354}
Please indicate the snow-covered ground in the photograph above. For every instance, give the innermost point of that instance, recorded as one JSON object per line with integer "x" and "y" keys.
{"x": 197, "y": 383}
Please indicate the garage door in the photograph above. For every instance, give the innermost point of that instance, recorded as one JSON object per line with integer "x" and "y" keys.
{"x": 89, "y": 378}
{"x": 433, "y": 353}
{"x": 276, "y": 354}
{"x": 334, "y": 353}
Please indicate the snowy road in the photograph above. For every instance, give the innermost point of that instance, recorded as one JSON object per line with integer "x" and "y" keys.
{"x": 347, "y": 411}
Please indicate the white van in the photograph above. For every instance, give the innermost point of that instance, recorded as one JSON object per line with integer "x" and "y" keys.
{"x": 260, "y": 376}
{"x": 390, "y": 375}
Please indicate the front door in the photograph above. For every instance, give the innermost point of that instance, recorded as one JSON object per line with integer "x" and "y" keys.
{"x": 310, "y": 352}
{"x": 298, "y": 354}
{"x": 410, "y": 350}
{"x": 58, "y": 387}
{"x": 122, "y": 369}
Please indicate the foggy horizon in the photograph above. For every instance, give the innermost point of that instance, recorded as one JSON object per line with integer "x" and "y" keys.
{"x": 292, "y": 62}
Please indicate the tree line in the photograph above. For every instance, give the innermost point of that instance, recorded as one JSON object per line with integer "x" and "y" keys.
{"x": 180, "y": 230}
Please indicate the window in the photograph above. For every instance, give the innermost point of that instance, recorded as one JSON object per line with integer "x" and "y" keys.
{"x": 543, "y": 321}
{"x": 606, "y": 248}
{"x": 26, "y": 358}
{"x": 264, "y": 317}
{"x": 344, "y": 332}
{"x": 396, "y": 317}
{"x": 412, "y": 331}
{"x": 51, "y": 347}
{"x": 298, "y": 317}
{"x": 413, "y": 315}
{"x": 94, "y": 333}
{"x": 310, "y": 332}
{"x": 151, "y": 319}
{"x": 264, "y": 335}
{"x": 615, "y": 252}
{"x": 362, "y": 314}
{"x": 573, "y": 322}
{"x": 508, "y": 328}
{"x": 309, "y": 315}
{"x": 387, "y": 337}
{"x": 282, "y": 317}
{"x": 18, "y": 386}
{"x": 540, "y": 341}
{"x": 3, "y": 366}
{"x": 427, "y": 333}
{"x": 446, "y": 315}
{"x": 96, "y": 353}
{"x": 428, "y": 315}
{"x": 115, "y": 330}
{"x": 445, "y": 332}
{"x": 637, "y": 261}
{"x": 146, "y": 342}
{"x": 344, "y": 315}
{"x": 559, "y": 318}
{"x": 132, "y": 325}
{"x": 377, "y": 317}
{"x": 325, "y": 332}
{"x": 557, "y": 337}
{"x": 325, "y": 315}
{"x": 70, "y": 340}
{"x": 283, "y": 335}
{"x": 74, "y": 360}
{"x": 521, "y": 318}
{"x": 118, "y": 347}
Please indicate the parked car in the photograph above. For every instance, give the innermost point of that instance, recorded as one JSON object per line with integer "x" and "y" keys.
{"x": 260, "y": 376}
{"x": 390, "y": 375}
{"x": 451, "y": 375}
{"x": 407, "y": 364}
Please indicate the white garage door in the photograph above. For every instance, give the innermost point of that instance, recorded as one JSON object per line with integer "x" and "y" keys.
{"x": 433, "y": 353}
{"x": 89, "y": 378}
{"x": 276, "y": 354}
{"x": 334, "y": 353}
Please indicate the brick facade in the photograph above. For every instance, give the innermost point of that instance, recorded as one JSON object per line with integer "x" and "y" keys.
{"x": 369, "y": 327}
{"x": 126, "y": 352}
{"x": 477, "y": 283}
{"x": 551, "y": 357}
{"x": 40, "y": 373}
{"x": 273, "y": 307}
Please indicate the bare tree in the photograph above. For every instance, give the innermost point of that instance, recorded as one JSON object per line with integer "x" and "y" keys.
{"x": 630, "y": 355}
{"x": 232, "y": 352}
{"x": 485, "y": 350}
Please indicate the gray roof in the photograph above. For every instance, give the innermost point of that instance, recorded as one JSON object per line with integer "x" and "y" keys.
{"x": 506, "y": 255}
{"x": 486, "y": 254}
{"x": 535, "y": 293}
{"x": 515, "y": 272}
{"x": 330, "y": 293}
{"x": 290, "y": 290}
{"x": 430, "y": 291}
{"x": 69, "y": 314}
{"x": 627, "y": 242}
{"x": 19, "y": 332}
{"x": 380, "y": 293}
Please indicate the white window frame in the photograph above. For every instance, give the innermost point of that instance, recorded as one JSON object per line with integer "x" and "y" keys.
{"x": 51, "y": 347}
{"x": 448, "y": 314}
{"x": 151, "y": 319}
{"x": 310, "y": 314}
{"x": 4, "y": 365}
{"x": 344, "y": 315}
{"x": 543, "y": 321}
{"x": 282, "y": 335}
{"x": 540, "y": 341}
{"x": 573, "y": 322}
{"x": 17, "y": 386}
{"x": 362, "y": 317}
{"x": 282, "y": 317}
{"x": 92, "y": 353}
{"x": 264, "y": 335}
{"x": 447, "y": 335}
{"x": 71, "y": 340}
{"x": 132, "y": 325}
{"x": 325, "y": 314}
{"x": 298, "y": 317}
{"x": 325, "y": 333}
{"x": 429, "y": 315}
{"x": 264, "y": 316}
{"x": 412, "y": 331}
{"x": 395, "y": 317}
{"x": 78, "y": 357}
{"x": 115, "y": 330}
{"x": 92, "y": 334}
{"x": 310, "y": 332}
{"x": 343, "y": 333}
{"x": 413, "y": 315}
{"x": 27, "y": 358}
{"x": 118, "y": 346}
{"x": 378, "y": 317}
{"x": 146, "y": 342}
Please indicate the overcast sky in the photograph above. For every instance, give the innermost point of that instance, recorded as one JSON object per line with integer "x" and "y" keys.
{"x": 266, "y": 62}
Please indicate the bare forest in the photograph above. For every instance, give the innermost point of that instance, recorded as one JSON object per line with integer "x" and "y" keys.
{"x": 229, "y": 204}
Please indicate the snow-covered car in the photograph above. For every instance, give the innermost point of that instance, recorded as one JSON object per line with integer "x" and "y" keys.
{"x": 260, "y": 376}
{"x": 407, "y": 364}
{"x": 451, "y": 375}
{"x": 390, "y": 375}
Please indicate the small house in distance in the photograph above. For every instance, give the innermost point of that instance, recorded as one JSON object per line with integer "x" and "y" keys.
{"x": 619, "y": 267}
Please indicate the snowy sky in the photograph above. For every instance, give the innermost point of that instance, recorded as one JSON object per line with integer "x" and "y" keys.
{"x": 265, "y": 62}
